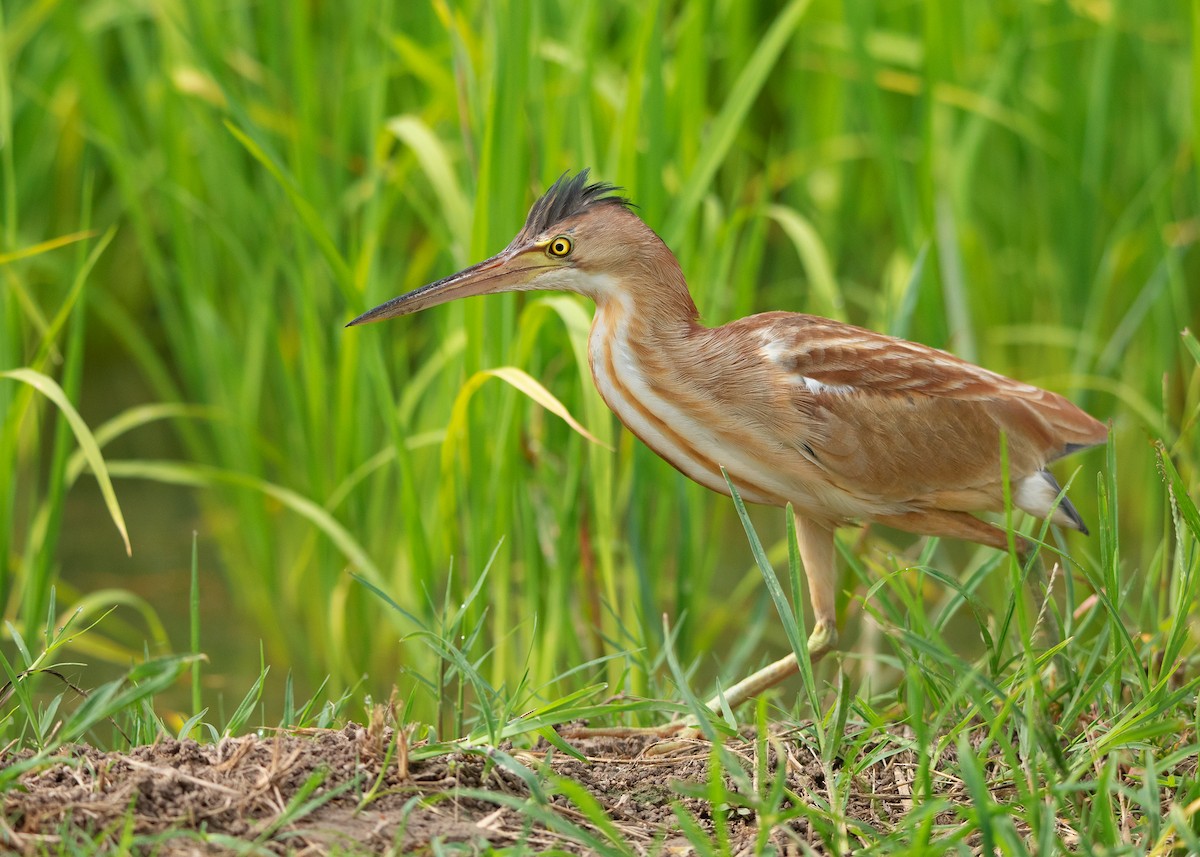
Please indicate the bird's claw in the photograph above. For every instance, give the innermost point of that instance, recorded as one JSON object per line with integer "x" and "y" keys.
{"x": 673, "y": 737}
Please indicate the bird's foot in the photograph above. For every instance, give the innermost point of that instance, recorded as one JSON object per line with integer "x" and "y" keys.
{"x": 666, "y": 730}
{"x": 685, "y": 733}
{"x": 685, "y": 736}
{"x": 673, "y": 737}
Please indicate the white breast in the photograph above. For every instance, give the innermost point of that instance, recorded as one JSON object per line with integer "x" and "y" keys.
{"x": 681, "y": 436}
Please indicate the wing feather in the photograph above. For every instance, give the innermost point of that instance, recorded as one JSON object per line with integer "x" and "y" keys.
{"x": 902, "y": 422}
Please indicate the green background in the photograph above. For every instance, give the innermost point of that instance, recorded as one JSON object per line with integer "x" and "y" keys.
{"x": 196, "y": 196}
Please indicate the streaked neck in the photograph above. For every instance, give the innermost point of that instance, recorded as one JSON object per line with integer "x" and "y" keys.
{"x": 649, "y": 299}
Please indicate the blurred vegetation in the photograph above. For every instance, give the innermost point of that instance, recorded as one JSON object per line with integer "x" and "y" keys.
{"x": 199, "y": 195}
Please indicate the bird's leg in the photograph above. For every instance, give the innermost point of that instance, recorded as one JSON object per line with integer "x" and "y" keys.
{"x": 816, "y": 552}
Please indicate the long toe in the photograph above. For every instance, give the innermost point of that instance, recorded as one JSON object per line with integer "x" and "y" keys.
{"x": 674, "y": 737}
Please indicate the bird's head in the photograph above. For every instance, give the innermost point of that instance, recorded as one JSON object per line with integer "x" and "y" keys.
{"x": 578, "y": 237}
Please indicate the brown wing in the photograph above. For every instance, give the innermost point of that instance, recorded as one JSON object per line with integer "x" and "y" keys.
{"x": 900, "y": 421}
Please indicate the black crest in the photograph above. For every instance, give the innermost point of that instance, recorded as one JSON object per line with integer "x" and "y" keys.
{"x": 568, "y": 197}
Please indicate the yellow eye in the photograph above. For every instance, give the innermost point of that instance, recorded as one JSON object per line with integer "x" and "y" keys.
{"x": 560, "y": 246}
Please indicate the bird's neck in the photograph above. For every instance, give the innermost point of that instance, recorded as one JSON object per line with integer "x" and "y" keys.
{"x": 651, "y": 302}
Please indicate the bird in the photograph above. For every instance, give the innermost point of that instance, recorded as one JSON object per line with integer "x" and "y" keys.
{"x": 845, "y": 424}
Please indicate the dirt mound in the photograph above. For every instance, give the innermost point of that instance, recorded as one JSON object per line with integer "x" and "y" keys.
{"x": 358, "y": 789}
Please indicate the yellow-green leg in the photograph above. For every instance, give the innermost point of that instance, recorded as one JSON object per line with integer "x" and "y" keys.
{"x": 816, "y": 552}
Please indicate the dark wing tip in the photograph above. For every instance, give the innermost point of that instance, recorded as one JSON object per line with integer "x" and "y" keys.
{"x": 1065, "y": 506}
{"x": 1072, "y": 448}
{"x": 1068, "y": 508}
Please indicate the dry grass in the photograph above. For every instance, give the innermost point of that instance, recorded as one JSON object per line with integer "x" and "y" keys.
{"x": 327, "y": 791}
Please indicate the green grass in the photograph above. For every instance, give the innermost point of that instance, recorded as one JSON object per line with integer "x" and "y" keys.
{"x": 996, "y": 752}
{"x": 198, "y": 196}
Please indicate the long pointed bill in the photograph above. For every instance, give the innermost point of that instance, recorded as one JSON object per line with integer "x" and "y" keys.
{"x": 507, "y": 270}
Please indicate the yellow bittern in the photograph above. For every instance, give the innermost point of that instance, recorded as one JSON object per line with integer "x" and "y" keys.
{"x": 845, "y": 424}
